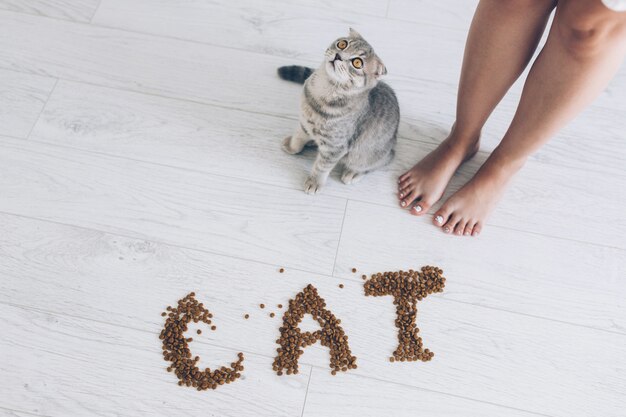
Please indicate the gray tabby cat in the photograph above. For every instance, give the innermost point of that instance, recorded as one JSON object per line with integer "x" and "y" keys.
{"x": 351, "y": 115}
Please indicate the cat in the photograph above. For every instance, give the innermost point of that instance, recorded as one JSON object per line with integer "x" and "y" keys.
{"x": 346, "y": 111}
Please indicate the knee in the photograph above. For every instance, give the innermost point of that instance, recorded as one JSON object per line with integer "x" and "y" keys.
{"x": 582, "y": 41}
{"x": 587, "y": 33}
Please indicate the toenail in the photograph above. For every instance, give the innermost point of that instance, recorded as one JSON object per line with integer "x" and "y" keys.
{"x": 417, "y": 208}
{"x": 467, "y": 233}
{"x": 439, "y": 219}
{"x": 458, "y": 233}
{"x": 401, "y": 194}
{"x": 446, "y": 229}
{"x": 403, "y": 204}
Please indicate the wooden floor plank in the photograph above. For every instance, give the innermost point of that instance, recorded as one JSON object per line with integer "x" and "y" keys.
{"x": 457, "y": 14}
{"x": 22, "y": 97}
{"x": 366, "y": 397}
{"x": 178, "y": 206}
{"x": 58, "y": 366}
{"x": 77, "y": 10}
{"x": 300, "y": 32}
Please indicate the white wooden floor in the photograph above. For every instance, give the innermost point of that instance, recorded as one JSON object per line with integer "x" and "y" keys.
{"x": 140, "y": 160}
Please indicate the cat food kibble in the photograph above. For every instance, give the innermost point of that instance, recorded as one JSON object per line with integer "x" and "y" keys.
{"x": 247, "y": 316}
{"x": 354, "y": 270}
{"x": 340, "y": 285}
{"x": 176, "y": 349}
{"x": 262, "y": 305}
{"x": 407, "y": 288}
{"x": 281, "y": 270}
{"x": 292, "y": 340}
{"x": 272, "y": 314}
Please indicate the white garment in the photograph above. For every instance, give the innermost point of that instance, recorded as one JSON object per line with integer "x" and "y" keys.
{"x": 617, "y": 5}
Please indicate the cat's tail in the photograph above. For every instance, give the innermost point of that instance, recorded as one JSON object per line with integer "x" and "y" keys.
{"x": 295, "y": 73}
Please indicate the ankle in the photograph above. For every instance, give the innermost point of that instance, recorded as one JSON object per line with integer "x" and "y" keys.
{"x": 507, "y": 161}
{"x": 500, "y": 168}
{"x": 464, "y": 142}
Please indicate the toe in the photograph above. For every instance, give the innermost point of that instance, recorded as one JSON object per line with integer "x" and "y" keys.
{"x": 460, "y": 227}
{"x": 407, "y": 200}
{"x": 403, "y": 192}
{"x": 420, "y": 207}
{"x": 404, "y": 177}
{"x": 477, "y": 229}
{"x": 417, "y": 208}
{"x": 442, "y": 216}
{"x": 404, "y": 181}
{"x": 449, "y": 226}
{"x": 469, "y": 226}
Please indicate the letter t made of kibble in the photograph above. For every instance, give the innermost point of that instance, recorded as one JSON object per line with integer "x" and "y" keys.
{"x": 407, "y": 288}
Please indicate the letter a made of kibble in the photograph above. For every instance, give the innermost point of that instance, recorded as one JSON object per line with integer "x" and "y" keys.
{"x": 407, "y": 288}
{"x": 292, "y": 340}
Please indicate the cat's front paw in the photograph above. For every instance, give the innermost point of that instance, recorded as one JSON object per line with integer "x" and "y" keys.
{"x": 288, "y": 146}
{"x": 312, "y": 186}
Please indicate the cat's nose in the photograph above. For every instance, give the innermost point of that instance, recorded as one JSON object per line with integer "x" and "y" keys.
{"x": 337, "y": 57}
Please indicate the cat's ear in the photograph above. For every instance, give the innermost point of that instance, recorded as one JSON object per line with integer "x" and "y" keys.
{"x": 354, "y": 34}
{"x": 376, "y": 67}
{"x": 381, "y": 70}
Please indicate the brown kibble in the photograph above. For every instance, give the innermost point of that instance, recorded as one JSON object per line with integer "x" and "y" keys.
{"x": 272, "y": 314}
{"x": 176, "y": 349}
{"x": 340, "y": 285}
{"x": 281, "y": 270}
{"x": 262, "y": 305}
{"x": 354, "y": 270}
{"x": 407, "y": 288}
{"x": 280, "y": 306}
{"x": 364, "y": 277}
{"x": 213, "y": 327}
{"x": 163, "y": 314}
{"x": 292, "y": 340}
{"x": 247, "y": 316}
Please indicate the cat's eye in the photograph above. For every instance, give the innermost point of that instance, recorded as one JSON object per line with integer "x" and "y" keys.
{"x": 357, "y": 63}
{"x": 342, "y": 44}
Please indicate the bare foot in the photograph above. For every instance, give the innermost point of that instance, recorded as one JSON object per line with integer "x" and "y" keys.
{"x": 423, "y": 185}
{"x": 465, "y": 212}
